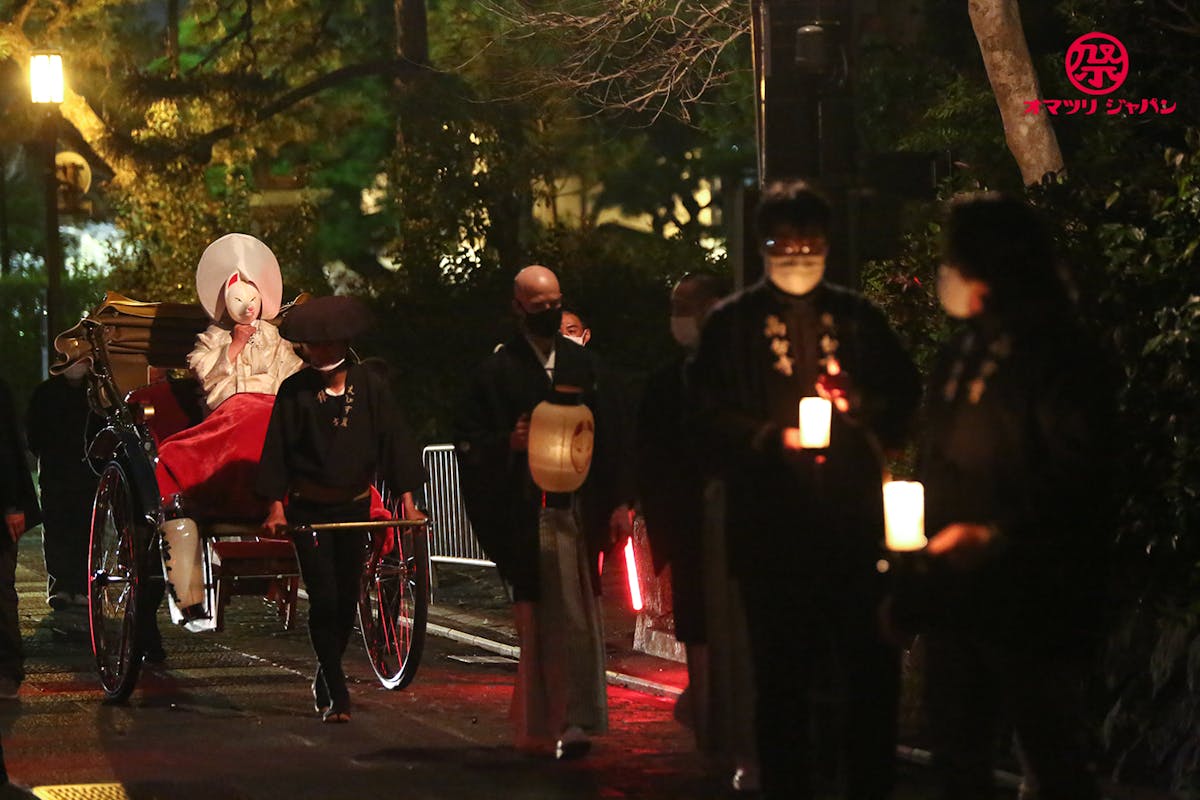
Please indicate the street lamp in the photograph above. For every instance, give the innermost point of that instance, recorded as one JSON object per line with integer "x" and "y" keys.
{"x": 46, "y": 91}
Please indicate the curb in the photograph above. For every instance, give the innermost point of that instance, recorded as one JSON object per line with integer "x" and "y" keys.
{"x": 613, "y": 677}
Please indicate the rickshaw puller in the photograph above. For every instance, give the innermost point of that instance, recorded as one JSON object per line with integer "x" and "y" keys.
{"x": 334, "y": 428}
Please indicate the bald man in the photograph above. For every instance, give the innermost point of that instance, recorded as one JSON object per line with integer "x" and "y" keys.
{"x": 544, "y": 544}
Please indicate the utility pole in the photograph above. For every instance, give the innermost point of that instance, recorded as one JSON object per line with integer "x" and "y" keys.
{"x": 804, "y": 114}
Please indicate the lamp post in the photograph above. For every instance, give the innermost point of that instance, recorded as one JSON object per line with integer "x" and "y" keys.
{"x": 46, "y": 91}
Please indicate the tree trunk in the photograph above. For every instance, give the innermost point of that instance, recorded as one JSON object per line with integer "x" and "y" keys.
{"x": 1030, "y": 137}
{"x": 412, "y": 31}
{"x": 173, "y": 36}
{"x": 5, "y": 248}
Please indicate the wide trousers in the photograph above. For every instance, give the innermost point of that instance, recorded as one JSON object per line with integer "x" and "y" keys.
{"x": 810, "y": 644}
{"x": 560, "y": 677}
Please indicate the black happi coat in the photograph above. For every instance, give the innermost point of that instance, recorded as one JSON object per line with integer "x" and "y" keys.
{"x": 820, "y": 523}
{"x": 501, "y": 498}
{"x": 1018, "y": 434}
{"x": 304, "y": 444}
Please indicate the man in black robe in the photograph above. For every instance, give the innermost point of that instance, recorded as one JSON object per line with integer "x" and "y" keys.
{"x": 58, "y": 425}
{"x": 21, "y": 512}
{"x": 543, "y": 548}
{"x": 670, "y": 486}
{"x": 805, "y": 527}
{"x": 335, "y": 428}
{"x": 1016, "y": 459}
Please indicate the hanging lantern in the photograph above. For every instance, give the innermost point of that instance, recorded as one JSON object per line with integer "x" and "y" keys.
{"x": 561, "y": 433}
{"x": 904, "y": 515}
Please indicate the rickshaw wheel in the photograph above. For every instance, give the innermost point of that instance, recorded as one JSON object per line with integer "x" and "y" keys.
{"x": 114, "y": 584}
{"x": 394, "y": 603}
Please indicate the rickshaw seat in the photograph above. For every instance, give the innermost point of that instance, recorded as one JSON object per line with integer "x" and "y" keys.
{"x": 177, "y": 405}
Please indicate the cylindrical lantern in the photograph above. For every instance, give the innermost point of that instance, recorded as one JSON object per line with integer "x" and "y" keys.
{"x": 561, "y": 433}
{"x": 815, "y": 416}
{"x": 904, "y": 515}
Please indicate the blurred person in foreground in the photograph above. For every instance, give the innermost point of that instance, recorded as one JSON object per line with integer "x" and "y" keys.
{"x": 1015, "y": 458}
{"x": 21, "y": 513}
{"x": 544, "y": 546}
{"x": 805, "y": 526}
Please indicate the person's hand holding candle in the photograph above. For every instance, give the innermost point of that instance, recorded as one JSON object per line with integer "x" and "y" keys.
{"x": 962, "y": 543}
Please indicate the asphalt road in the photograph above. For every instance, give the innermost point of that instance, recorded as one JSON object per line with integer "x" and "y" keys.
{"x": 229, "y": 716}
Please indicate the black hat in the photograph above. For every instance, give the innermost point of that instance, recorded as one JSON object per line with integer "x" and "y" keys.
{"x": 326, "y": 319}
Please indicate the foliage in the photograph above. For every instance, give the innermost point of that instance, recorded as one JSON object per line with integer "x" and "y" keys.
{"x": 1138, "y": 265}
{"x": 1129, "y": 217}
{"x": 618, "y": 280}
{"x": 22, "y": 308}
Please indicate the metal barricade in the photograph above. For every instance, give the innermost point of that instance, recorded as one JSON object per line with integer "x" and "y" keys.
{"x": 451, "y": 539}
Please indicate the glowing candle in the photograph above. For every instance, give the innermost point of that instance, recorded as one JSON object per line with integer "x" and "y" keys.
{"x": 815, "y": 415}
{"x": 904, "y": 515}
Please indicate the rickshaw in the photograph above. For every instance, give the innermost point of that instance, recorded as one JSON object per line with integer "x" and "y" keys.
{"x": 139, "y": 387}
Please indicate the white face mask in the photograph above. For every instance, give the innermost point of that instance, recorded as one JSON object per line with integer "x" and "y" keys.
{"x": 795, "y": 274}
{"x": 686, "y": 331}
{"x": 576, "y": 339}
{"x": 954, "y": 292}
{"x": 243, "y": 303}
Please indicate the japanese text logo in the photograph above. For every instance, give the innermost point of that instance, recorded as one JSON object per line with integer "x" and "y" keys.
{"x": 1097, "y": 63}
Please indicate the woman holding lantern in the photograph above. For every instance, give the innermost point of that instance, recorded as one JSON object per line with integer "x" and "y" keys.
{"x": 805, "y": 516}
{"x": 1015, "y": 460}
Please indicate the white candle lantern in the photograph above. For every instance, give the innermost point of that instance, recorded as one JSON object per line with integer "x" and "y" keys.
{"x": 904, "y": 515}
{"x": 815, "y": 416}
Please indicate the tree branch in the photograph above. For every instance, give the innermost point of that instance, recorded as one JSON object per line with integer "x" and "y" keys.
{"x": 242, "y": 26}
{"x": 22, "y": 13}
{"x": 653, "y": 56}
{"x": 396, "y": 68}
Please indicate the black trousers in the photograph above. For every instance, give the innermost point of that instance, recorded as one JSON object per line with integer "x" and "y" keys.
{"x": 11, "y": 661}
{"x": 331, "y": 565}
{"x": 66, "y": 533}
{"x": 971, "y": 684}
{"x": 808, "y": 643}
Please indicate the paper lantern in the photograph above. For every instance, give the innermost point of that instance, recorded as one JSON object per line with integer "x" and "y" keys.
{"x": 561, "y": 434}
{"x": 904, "y": 515}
